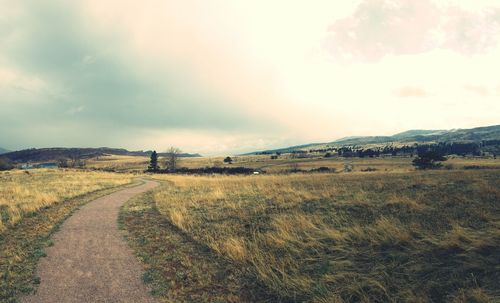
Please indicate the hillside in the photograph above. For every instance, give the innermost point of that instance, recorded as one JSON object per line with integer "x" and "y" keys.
{"x": 52, "y": 154}
{"x": 456, "y": 135}
{"x": 477, "y": 135}
{"x": 3, "y": 151}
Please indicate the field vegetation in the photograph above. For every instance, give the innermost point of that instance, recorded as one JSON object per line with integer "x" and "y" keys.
{"x": 284, "y": 163}
{"x": 25, "y": 192}
{"x": 416, "y": 236}
{"x": 118, "y": 163}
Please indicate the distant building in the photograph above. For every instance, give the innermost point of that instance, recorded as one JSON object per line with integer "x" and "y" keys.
{"x": 27, "y": 166}
{"x": 39, "y": 165}
{"x": 47, "y": 165}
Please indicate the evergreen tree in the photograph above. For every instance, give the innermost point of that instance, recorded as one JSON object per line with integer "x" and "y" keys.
{"x": 153, "y": 163}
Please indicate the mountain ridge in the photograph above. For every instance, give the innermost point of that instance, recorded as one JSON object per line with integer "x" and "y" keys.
{"x": 55, "y": 153}
{"x": 476, "y": 134}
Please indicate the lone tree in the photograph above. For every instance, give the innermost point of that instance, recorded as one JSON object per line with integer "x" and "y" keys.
{"x": 62, "y": 162}
{"x": 428, "y": 160}
{"x": 172, "y": 161}
{"x": 153, "y": 162}
{"x": 228, "y": 160}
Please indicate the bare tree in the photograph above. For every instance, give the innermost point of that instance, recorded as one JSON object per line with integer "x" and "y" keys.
{"x": 62, "y": 162}
{"x": 172, "y": 158}
{"x": 76, "y": 162}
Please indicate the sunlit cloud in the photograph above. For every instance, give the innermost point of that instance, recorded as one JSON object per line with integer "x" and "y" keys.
{"x": 477, "y": 89}
{"x": 409, "y": 91}
{"x": 385, "y": 27}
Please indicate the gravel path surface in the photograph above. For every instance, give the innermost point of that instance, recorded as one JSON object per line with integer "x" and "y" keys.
{"x": 90, "y": 261}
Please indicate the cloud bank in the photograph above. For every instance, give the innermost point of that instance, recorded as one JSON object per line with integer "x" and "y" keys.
{"x": 63, "y": 81}
{"x": 402, "y": 27}
{"x": 237, "y": 76}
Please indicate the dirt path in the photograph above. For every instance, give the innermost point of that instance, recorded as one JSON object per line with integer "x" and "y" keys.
{"x": 90, "y": 261}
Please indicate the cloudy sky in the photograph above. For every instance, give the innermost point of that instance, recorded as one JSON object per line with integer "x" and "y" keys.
{"x": 220, "y": 77}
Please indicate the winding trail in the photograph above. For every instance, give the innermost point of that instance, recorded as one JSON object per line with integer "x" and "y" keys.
{"x": 90, "y": 261}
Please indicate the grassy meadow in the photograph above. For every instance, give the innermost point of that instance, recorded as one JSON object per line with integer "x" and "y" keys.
{"x": 118, "y": 163}
{"x": 25, "y": 192}
{"x": 32, "y": 206}
{"x": 285, "y": 163}
{"x": 381, "y": 233}
{"x": 419, "y": 236}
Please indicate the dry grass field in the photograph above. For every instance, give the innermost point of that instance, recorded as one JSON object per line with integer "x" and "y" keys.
{"x": 284, "y": 163}
{"x": 23, "y": 193}
{"x": 32, "y": 206}
{"x": 416, "y": 236}
{"x": 118, "y": 163}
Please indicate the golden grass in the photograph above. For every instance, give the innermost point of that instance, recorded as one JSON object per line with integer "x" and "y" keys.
{"x": 367, "y": 237}
{"x": 284, "y": 163}
{"x": 24, "y": 193}
{"x": 118, "y": 163}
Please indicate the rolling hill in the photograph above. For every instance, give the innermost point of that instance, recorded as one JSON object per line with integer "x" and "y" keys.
{"x": 52, "y": 154}
{"x": 477, "y": 134}
{"x": 3, "y": 151}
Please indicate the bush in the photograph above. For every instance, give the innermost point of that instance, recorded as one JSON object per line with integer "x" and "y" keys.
{"x": 323, "y": 169}
{"x": 209, "y": 170}
{"x": 428, "y": 160}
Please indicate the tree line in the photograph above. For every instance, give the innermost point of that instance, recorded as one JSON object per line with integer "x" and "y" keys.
{"x": 443, "y": 148}
{"x": 171, "y": 162}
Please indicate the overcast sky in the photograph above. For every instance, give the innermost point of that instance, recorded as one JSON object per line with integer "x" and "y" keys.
{"x": 222, "y": 77}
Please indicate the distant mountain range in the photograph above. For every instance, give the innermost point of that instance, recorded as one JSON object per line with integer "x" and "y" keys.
{"x": 3, "y": 151}
{"x": 477, "y": 134}
{"x": 52, "y": 154}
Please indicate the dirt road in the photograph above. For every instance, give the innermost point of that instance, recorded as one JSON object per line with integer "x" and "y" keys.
{"x": 90, "y": 261}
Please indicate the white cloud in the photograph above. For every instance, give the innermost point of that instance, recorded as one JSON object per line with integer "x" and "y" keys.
{"x": 384, "y": 27}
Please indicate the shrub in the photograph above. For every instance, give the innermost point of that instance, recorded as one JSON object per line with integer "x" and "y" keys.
{"x": 209, "y": 170}
{"x": 323, "y": 169}
{"x": 428, "y": 160}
